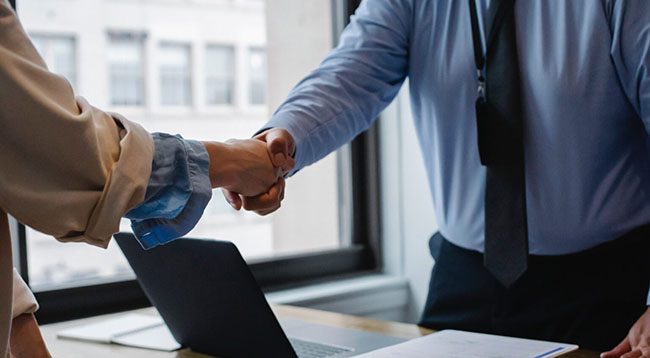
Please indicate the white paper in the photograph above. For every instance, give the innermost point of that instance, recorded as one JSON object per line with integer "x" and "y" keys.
{"x": 158, "y": 338}
{"x": 105, "y": 331}
{"x": 459, "y": 344}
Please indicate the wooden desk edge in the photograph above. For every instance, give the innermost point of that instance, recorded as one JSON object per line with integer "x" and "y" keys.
{"x": 396, "y": 329}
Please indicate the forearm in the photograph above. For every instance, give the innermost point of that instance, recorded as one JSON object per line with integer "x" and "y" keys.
{"x": 26, "y": 340}
{"x": 353, "y": 85}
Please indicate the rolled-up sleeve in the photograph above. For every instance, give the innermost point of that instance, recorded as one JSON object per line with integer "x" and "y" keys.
{"x": 67, "y": 168}
{"x": 179, "y": 190}
{"x": 23, "y": 299}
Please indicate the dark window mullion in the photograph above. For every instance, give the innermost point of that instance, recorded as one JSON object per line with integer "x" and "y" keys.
{"x": 23, "y": 267}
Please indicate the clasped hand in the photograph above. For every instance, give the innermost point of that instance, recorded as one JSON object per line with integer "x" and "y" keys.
{"x": 251, "y": 172}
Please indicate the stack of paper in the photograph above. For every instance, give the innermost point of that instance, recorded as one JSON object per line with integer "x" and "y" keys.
{"x": 459, "y": 344}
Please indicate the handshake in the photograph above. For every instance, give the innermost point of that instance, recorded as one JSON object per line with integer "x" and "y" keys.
{"x": 251, "y": 172}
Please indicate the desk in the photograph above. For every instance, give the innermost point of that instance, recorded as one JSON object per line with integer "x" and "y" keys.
{"x": 73, "y": 349}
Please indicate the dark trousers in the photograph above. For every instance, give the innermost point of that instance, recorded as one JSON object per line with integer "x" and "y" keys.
{"x": 591, "y": 298}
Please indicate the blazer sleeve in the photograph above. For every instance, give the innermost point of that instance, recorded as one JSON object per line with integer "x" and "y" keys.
{"x": 67, "y": 168}
{"x": 23, "y": 300}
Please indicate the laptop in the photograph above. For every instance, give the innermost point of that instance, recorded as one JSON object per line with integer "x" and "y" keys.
{"x": 209, "y": 299}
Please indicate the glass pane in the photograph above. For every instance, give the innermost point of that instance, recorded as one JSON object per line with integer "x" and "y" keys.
{"x": 219, "y": 74}
{"x": 126, "y": 68}
{"x": 257, "y": 66}
{"x": 64, "y": 57}
{"x": 184, "y": 58}
{"x": 175, "y": 75}
{"x": 59, "y": 54}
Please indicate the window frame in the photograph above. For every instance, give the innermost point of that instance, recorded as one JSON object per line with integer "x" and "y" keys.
{"x": 362, "y": 256}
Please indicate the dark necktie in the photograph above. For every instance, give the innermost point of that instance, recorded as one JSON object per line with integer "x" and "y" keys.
{"x": 500, "y": 136}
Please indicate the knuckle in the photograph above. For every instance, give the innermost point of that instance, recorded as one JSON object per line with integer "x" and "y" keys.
{"x": 249, "y": 204}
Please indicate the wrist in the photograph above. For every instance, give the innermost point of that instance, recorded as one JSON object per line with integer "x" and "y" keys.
{"x": 221, "y": 164}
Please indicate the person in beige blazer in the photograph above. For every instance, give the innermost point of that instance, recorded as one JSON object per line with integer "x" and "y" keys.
{"x": 73, "y": 171}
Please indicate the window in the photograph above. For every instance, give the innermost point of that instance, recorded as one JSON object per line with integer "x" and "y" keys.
{"x": 316, "y": 234}
{"x": 257, "y": 71}
{"x": 59, "y": 54}
{"x": 126, "y": 68}
{"x": 175, "y": 74}
{"x": 219, "y": 75}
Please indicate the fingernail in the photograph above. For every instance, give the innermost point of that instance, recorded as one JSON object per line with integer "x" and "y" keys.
{"x": 279, "y": 158}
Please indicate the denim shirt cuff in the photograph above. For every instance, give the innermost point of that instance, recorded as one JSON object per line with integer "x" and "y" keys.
{"x": 179, "y": 191}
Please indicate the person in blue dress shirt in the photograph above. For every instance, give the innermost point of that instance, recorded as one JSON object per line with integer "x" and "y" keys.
{"x": 585, "y": 80}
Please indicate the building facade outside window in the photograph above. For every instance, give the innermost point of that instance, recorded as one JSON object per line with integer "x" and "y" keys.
{"x": 219, "y": 74}
{"x": 175, "y": 74}
{"x": 257, "y": 73}
{"x": 126, "y": 69}
{"x": 60, "y": 54}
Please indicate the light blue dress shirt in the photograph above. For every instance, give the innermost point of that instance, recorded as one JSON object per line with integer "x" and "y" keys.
{"x": 586, "y": 91}
{"x": 179, "y": 189}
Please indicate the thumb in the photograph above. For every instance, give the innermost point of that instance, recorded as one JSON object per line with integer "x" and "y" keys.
{"x": 232, "y": 198}
{"x": 619, "y": 350}
{"x": 280, "y": 145}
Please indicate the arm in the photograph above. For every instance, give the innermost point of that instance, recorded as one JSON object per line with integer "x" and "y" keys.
{"x": 630, "y": 51}
{"x": 65, "y": 168}
{"x": 25, "y": 339}
{"x": 73, "y": 171}
{"x": 356, "y": 81}
{"x": 340, "y": 99}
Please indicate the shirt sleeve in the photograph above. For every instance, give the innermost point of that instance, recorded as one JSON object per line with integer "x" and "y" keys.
{"x": 23, "y": 299}
{"x": 179, "y": 190}
{"x": 354, "y": 83}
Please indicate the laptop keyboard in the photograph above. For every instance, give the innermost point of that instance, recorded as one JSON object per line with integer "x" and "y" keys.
{"x": 307, "y": 349}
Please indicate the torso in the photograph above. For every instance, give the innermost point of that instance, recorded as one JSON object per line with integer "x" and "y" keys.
{"x": 585, "y": 145}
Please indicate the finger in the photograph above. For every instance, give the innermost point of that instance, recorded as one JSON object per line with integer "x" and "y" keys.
{"x": 232, "y": 198}
{"x": 645, "y": 351}
{"x": 269, "y": 211}
{"x": 280, "y": 145}
{"x": 620, "y": 349}
{"x": 632, "y": 354}
{"x": 265, "y": 201}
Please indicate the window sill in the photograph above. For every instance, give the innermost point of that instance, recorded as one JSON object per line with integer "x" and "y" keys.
{"x": 377, "y": 296}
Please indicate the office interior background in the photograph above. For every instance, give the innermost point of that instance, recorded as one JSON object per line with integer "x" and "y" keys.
{"x": 352, "y": 233}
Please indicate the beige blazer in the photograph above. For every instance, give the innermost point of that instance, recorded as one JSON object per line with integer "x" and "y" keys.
{"x": 66, "y": 168}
